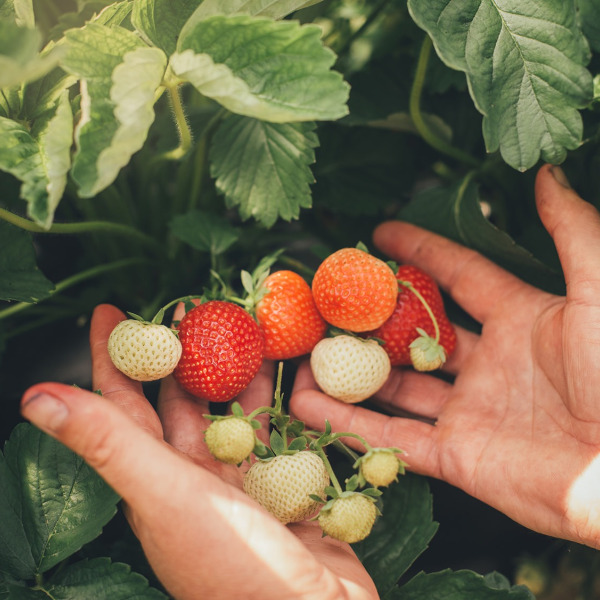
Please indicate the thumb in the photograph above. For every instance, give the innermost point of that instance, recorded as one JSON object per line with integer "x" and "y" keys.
{"x": 575, "y": 228}
{"x": 135, "y": 464}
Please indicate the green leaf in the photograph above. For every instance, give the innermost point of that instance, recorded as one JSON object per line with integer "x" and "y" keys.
{"x": 20, "y": 278}
{"x": 20, "y": 59}
{"x": 455, "y": 212}
{"x": 100, "y": 579}
{"x": 120, "y": 76}
{"x": 459, "y": 585}
{"x": 159, "y": 24}
{"x": 278, "y": 71}
{"x": 401, "y": 534}
{"x": 40, "y": 158}
{"x": 21, "y": 11}
{"x": 60, "y": 501}
{"x": 263, "y": 168}
{"x": 525, "y": 65}
{"x": 204, "y": 231}
{"x": 276, "y": 9}
{"x": 589, "y": 17}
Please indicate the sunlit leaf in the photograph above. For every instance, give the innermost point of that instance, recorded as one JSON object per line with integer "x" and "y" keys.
{"x": 276, "y": 71}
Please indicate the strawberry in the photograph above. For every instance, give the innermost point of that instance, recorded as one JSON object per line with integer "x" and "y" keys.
{"x": 288, "y": 316}
{"x": 284, "y": 484}
{"x": 380, "y": 466}
{"x": 354, "y": 290}
{"x": 349, "y": 517}
{"x": 411, "y": 323}
{"x": 142, "y": 350}
{"x": 230, "y": 439}
{"x": 222, "y": 350}
{"x": 349, "y": 368}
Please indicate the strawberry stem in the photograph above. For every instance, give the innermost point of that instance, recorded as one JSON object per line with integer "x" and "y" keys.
{"x": 159, "y": 316}
{"x": 408, "y": 285}
{"x": 332, "y": 476}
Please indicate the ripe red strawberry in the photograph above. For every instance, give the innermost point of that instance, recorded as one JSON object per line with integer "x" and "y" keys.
{"x": 354, "y": 290}
{"x": 410, "y": 314}
{"x": 288, "y": 316}
{"x": 222, "y": 350}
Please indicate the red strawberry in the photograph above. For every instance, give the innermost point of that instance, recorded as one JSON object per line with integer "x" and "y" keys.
{"x": 354, "y": 290}
{"x": 410, "y": 314}
{"x": 288, "y": 316}
{"x": 222, "y": 350}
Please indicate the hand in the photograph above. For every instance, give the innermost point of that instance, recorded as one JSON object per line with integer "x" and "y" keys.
{"x": 202, "y": 535}
{"x": 519, "y": 428}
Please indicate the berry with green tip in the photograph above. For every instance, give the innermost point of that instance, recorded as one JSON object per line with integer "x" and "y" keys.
{"x": 285, "y": 483}
{"x": 144, "y": 351}
{"x": 380, "y": 467}
{"x": 230, "y": 440}
{"x": 349, "y": 517}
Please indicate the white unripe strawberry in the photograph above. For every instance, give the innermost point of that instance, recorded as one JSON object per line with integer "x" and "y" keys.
{"x": 230, "y": 440}
{"x": 380, "y": 467}
{"x": 283, "y": 484}
{"x": 348, "y": 518}
{"x": 144, "y": 351}
{"x": 349, "y": 368}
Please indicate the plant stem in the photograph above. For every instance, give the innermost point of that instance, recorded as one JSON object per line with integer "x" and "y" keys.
{"x": 417, "y": 116}
{"x": 83, "y": 227}
{"x": 408, "y": 285}
{"x": 366, "y": 24}
{"x": 332, "y": 476}
{"x": 183, "y": 128}
{"x": 75, "y": 279}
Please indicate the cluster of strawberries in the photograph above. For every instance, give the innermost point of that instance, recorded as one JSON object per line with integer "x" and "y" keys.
{"x": 360, "y": 317}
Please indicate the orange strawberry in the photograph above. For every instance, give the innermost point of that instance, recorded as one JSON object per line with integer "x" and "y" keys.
{"x": 288, "y": 316}
{"x": 354, "y": 290}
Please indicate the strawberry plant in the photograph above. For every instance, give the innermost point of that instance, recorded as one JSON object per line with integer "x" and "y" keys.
{"x": 147, "y": 146}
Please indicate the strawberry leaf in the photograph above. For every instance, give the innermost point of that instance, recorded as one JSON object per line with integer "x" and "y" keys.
{"x": 276, "y": 9}
{"x": 20, "y": 278}
{"x": 297, "y": 444}
{"x": 51, "y": 504}
{"x": 277, "y": 443}
{"x": 525, "y": 68}
{"x": 117, "y": 97}
{"x": 204, "y": 231}
{"x": 400, "y": 535}
{"x": 278, "y": 71}
{"x": 263, "y": 168}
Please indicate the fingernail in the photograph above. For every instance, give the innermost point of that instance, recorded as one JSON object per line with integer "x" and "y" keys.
{"x": 45, "y": 411}
{"x": 560, "y": 176}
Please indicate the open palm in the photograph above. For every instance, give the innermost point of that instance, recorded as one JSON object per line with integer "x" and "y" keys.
{"x": 519, "y": 427}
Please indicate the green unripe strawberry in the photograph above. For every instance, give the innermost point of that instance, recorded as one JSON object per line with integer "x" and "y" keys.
{"x": 380, "y": 467}
{"x": 230, "y": 440}
{"x": 284, "y": 484}
{"x": 348, "y": 518}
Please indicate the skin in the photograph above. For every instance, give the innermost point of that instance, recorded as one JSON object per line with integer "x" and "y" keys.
{"x": 518, "y": 428}
{"x": 519, "y": 425}
{"x": 202, "y": 535}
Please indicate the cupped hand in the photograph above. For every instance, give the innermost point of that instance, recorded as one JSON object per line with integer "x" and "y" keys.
{"x": 519, "y": 425}
{"x": 203, "y": 536}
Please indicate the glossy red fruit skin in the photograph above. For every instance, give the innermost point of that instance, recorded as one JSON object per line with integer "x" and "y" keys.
{"x": 222, "y": 350}
{"x": 288, "y": 316}
{"x": 400, "y": 329}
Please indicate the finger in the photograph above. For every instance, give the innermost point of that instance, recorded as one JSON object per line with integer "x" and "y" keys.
{"x": 414, "y": 437}
{"x": 475, "y": 283}
{"x": 414, "y": 393}
{"x": 106, "y": 437}
{"x": 259, "y": 393}
{"x": 106, "y": 378}
{"x": 575, "y": 228}
{"x": 182, "y": 418}
{"x": 466, "y": 342}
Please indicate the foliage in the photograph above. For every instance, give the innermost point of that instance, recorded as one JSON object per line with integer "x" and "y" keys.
{"x": 146, "y": 144}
